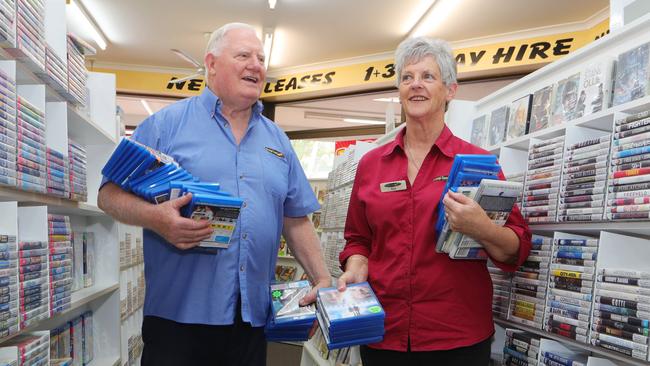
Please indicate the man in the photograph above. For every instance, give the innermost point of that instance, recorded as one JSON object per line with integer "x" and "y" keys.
{"x": 204, "y": 308}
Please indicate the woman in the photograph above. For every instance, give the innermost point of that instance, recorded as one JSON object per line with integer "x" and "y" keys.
{"x": 438, "y": 311}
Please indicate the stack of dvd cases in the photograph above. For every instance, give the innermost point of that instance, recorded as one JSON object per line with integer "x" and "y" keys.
{"x": 56, "y": 71}
{"x": 543, "y": 181}
{"x": 77, "y": 75}
{"x": 629, "y": 183}
{"x": 60, "y": 257}
{"x": 351, "y": 317}
{"x": 289, "y": 321}
{"x": 31, "y": 160}
{"x": 501, "y": 284}
{"x": 30, "y": 31}
{"x": 77, "y": 160}
{"x": 31, "y": 349}
{"x": 622, "y": 312}
{"x": 33, "y": 282}
{"x": 571, "y": 287}
{"x": 521, "y": 348}
{"x": 8, "y": 286}
{"x": 582, "y": 197}
{"x": 58, "y": 180}
{"x": 529, "y": 285}
{"x": 7, "y": 130}
{"x": 8, "y": 23}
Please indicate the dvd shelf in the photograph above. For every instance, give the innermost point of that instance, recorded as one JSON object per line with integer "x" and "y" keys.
{"x": 132, "y": 291}
{"x": 47, "y": 286}
{"x": 601, "y": 178}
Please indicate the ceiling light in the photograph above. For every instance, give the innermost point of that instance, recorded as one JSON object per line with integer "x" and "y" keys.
{"x": 272, "y": 4}
{"x": 268, "y": 47}
{"x": 419, "y": 12}
{"x": 364, "y": 121}
{"x": 436, "y": 15}
{"x": 146, "y": 106}
{"x": 393, "y": 99}
{"x": 79, "y": 14}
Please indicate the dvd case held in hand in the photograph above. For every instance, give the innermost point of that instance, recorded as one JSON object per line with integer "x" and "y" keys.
{"x": 497, "y": 198}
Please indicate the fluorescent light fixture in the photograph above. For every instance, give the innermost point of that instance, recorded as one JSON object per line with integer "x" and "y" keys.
{"x": 419, "y": 12}
{"x": 268, "y": 47}
{"x": 272, "y": 4}
{"x": 78, "y": 12}
{"x": 387, "y": 100}
{"x": 146, "y": 106}
{"x": 438, "y": 12}
{"x": 364, "y": 121}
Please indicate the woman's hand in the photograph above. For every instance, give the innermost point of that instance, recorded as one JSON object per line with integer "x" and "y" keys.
{"x": 356, "y": 270}
{"x": 465, "y": 216}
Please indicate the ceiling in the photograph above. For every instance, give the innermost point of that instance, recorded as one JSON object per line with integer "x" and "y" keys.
{"x": 311, "y": 31}
{"x": 141, "y": 34}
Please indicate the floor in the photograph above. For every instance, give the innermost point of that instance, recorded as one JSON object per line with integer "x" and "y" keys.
{"x": 281, "y": 354}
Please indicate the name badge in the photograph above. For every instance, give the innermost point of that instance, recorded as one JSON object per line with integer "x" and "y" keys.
{"x": 398, "y": 185}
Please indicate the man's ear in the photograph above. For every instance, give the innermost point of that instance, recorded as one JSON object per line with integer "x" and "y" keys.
{"x": 209, "y": 61}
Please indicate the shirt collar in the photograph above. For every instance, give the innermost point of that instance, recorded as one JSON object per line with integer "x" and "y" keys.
{"x": 444, "y": 142}
{"x": 212, "y": 103}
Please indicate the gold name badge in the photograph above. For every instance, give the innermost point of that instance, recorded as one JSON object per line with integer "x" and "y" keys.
{"x": 398, "y": 185}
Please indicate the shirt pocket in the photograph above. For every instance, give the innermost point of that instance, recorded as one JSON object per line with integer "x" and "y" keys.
{"x": 276, "y": 174}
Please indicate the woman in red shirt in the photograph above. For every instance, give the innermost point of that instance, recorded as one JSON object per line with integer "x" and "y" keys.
{"x": 438, "y": 311}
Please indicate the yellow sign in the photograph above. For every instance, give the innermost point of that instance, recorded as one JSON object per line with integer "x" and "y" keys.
{"x": 503, "y": 57}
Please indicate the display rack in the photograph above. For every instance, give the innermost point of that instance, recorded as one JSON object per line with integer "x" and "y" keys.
{"x": 93, "y": 126}
{"x": 622, "y": 244}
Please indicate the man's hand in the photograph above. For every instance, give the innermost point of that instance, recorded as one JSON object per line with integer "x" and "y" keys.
{"x": 311, "y": 296}
{"x": 181, "y": 232}
{"x": 466, "y": 216}
{"x": 356, "y": 270}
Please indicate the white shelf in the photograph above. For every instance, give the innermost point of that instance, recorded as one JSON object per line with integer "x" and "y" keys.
{"x": 79, "y": 299}
{"x": 286, "y": 257}
{"x": 599, "y": 121}
{"x": 587, "y": 347}
{"x": 313, "y": 353}
{"x": 83, "y": 130}
{"x": 55, "y": 204}
{"x": 636, "y": 228}
{"x": 106, "y": 361}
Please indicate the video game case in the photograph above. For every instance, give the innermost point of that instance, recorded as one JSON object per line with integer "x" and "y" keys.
{"x": 632, "y": 145}
{"x": 585, "y": 167}
{"x": 622, "y": 322}
{"x": 583, "y": 155}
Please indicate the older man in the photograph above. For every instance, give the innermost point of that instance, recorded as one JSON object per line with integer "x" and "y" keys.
{"x": 205, "y": 308}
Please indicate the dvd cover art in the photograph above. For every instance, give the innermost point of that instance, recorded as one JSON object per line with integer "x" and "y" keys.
{"x": 285, "y": 273}
{"x": 498, "y": 121}
{"x": 541, "y": 109}
{"x": 479, "y": 131}
{"x": 631, "y": 79}
{"x": 565, "y": 100}
{"x": 519, "y": 117}
{"x": 356, "y": 301}
{"x": 285, "y": 298}
{"x": 595, "y": 86}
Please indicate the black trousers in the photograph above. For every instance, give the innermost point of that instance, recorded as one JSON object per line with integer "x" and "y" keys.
{"x": 170, "y": 343}
{"x": 475, "y": 355}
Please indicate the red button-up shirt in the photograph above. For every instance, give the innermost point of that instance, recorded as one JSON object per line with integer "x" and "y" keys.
{"x": 437, "y": 302}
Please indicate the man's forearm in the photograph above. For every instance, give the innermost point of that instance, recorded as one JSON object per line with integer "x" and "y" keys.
{"x": 301, "y": 238}
{"x": 126, "y": 207}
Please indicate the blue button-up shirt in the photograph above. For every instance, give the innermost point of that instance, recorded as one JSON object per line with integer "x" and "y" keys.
{"x": 263, "y": 170}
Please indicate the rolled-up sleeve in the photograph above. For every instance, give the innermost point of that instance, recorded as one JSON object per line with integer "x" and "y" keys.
{"x": 518, "y": 225}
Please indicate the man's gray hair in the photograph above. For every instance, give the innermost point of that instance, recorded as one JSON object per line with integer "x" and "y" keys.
{"x": 413, "y": 50}
{"x": 216, "y": 38}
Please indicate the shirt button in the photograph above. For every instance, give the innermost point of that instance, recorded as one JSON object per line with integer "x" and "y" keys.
{"x": 241, "y": 176}
{"x": 241, "y": 268}
{"x": 243, "y": 204}
{"x": 245, "y": 236}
